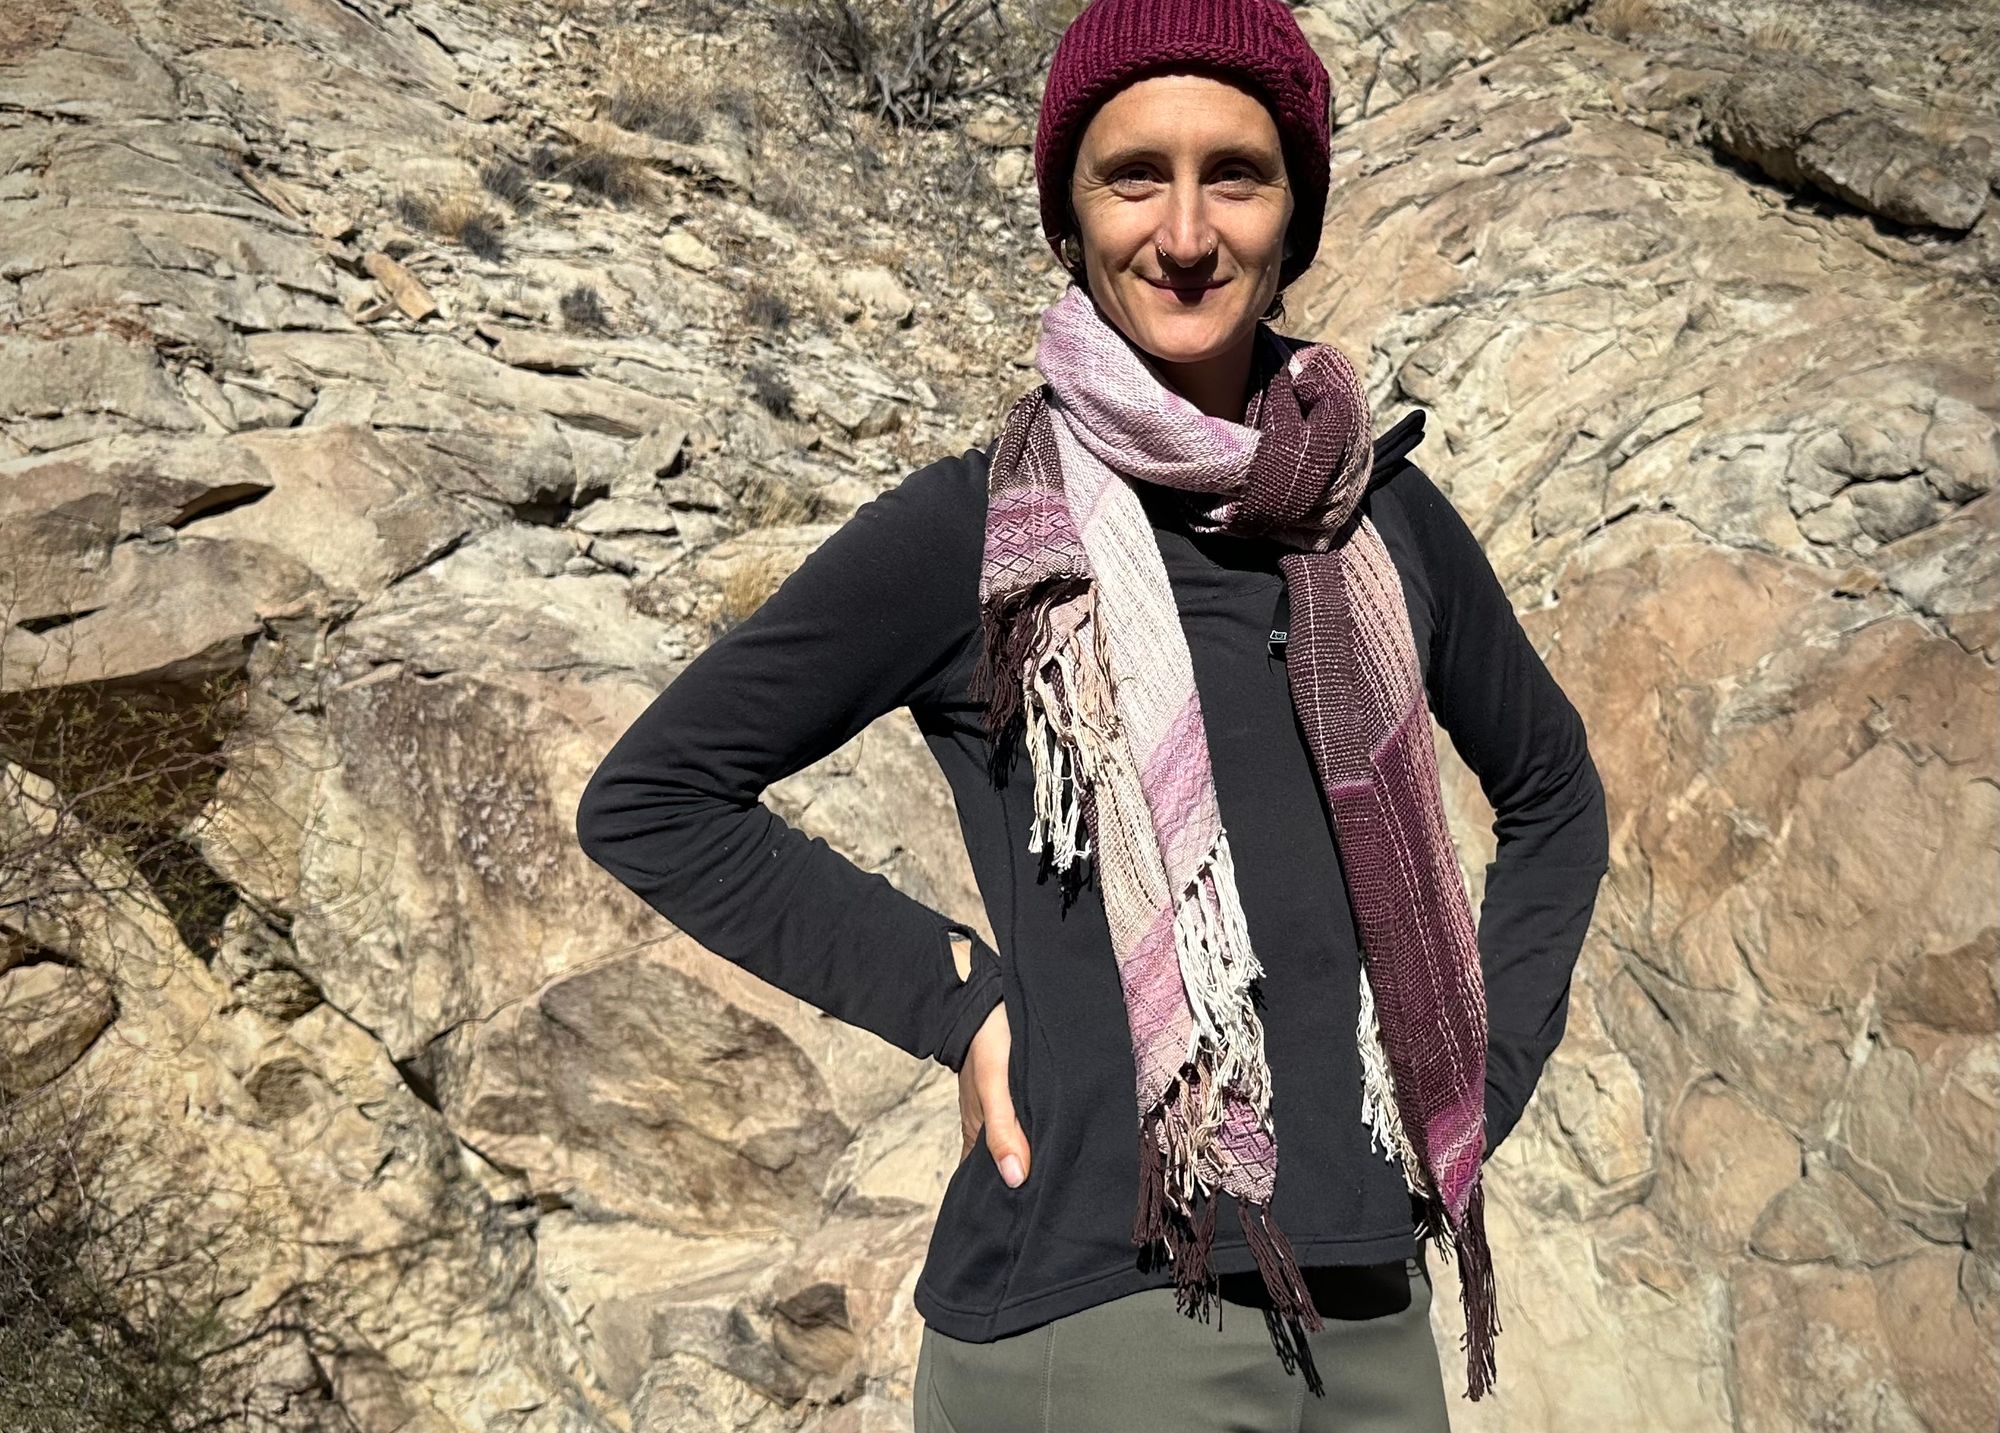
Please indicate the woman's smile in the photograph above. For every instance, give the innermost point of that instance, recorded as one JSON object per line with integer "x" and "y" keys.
{"x": 1188, "y": 291}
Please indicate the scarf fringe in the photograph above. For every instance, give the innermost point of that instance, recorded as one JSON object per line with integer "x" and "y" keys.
{"x": 1011, "y": 624}
{"x": 1477, "y": 1289}
{"x": 1378, "y": 1093}
{"x": 1217, "y": 963}
{"x": 1058, "y": 828}
{"x": 1279, "y": 1266}
{"x": 1190, "y": 1239}
{"x": 1196, "y": 1284}
{"x": 1073, "y": 732}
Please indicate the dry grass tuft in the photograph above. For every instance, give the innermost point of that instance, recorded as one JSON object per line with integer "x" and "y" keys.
{"x": 1622, "y": 19}
{"x": 765, "y": 308}
{"x": 508, "y": 182}
{"x": 779, "y": 505}
{"x": 1778, "y": 37}
{"x": 914, "y": 62}
{"x": 669, "y": 113}
{"x": 781, "y": 194}
{"x": 770, "y": 389}
{"x": 461, "y": 217}
{"x": 1962, "y": 104}
{"x": 747, "y": 586}
{"x": 663, "y": 95}
{"x": 583, "y": 311}
{"x": 612, "y": 175}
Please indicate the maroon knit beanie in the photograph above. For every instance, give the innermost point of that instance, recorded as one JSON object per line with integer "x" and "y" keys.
{"x": 1256, "y": 42}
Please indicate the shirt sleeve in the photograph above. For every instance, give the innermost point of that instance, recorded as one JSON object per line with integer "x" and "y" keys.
{"x": 674, "y": 811}
{"x": 1520, "y": 735}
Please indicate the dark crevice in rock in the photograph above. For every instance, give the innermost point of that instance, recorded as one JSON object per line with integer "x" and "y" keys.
{"x": 55, "y": 620}
{"x": 39, "y": 955}
{"x": 417, "y": 1076}
{"x": 217, "y": 501}
{"x": 196, "y": 897}
{"x": 555, "y": 509}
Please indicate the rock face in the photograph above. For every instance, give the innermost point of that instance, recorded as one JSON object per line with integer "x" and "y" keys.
{"x": 1701, "y": 305}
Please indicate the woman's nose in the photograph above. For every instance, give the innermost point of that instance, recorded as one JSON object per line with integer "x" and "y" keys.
{"x": 1186, "y": 236}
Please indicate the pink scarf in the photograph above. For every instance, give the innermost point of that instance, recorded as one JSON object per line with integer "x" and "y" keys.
{"x": 1086, "y": 659}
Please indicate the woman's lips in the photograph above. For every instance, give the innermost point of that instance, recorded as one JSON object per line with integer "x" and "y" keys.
{"x": 1186, "y": 290}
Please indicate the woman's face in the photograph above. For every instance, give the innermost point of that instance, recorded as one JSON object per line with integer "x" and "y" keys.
{"x": 1182, "y": 201}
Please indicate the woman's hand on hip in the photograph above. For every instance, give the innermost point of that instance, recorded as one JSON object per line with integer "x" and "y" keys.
{"x": 984, "y": 1099}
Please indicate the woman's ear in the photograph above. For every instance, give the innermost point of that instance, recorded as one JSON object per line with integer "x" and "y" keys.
{"x": 1070, "y": 247}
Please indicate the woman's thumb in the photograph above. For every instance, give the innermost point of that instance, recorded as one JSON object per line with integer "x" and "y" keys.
{"x": 1009, "y": 1147}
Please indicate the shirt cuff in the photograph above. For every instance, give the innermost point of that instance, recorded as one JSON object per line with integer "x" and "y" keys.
{"x": 968, "y": 1005}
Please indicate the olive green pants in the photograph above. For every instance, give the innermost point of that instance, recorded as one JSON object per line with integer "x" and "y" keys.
{"x": 1137, "y": 1364}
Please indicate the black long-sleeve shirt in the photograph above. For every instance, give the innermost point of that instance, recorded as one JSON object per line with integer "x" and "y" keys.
{"x": 884, "y": 615}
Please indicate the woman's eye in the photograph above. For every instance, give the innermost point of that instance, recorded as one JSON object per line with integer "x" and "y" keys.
{"x": 1235, "y": 175}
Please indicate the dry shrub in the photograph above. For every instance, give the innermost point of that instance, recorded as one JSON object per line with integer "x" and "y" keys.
{"x": 127, "y": 322}
{"x": 110, "y": 1298}
{"x": 912, "y": 62}
{"x": 960, "y": 181}
{"x": 583, "y": 310}
{"x": 509, "y": 182}
{"x": 779, "y": 505}
{"x": 1622, "y": 19}
{"x": 749, "y": 582}
{"x": 611, "y": 174}
{"x": 461, "y": 217}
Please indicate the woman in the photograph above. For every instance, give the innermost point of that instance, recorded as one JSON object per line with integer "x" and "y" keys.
{"x": 1175, "y": 638}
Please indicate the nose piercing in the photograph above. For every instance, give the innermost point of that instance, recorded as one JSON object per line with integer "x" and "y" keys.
{"x": 1160, "y": 249}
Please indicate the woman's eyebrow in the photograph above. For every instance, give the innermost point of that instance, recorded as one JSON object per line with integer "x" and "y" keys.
{"x": 1232, "y": 150}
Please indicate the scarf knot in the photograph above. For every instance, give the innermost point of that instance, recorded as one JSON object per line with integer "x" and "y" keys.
{"x": 1292, "y": 471}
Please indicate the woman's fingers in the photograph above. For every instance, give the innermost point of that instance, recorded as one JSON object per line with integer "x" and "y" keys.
{"x": 988, "y": 1044}
{"x": 1005, "y": 1140}
{"x": 985, "y": 1102}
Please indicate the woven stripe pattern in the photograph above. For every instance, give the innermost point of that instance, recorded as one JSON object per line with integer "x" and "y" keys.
{"x": 1085, "y": 659}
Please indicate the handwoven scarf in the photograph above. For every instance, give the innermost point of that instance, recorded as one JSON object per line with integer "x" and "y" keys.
{"x": 1086, "y": 659}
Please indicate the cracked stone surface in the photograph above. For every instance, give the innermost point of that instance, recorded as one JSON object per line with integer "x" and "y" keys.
{"x": 1701, "y": 303}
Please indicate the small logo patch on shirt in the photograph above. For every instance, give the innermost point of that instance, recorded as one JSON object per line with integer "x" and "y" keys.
{"x": 1279, "y": 636}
